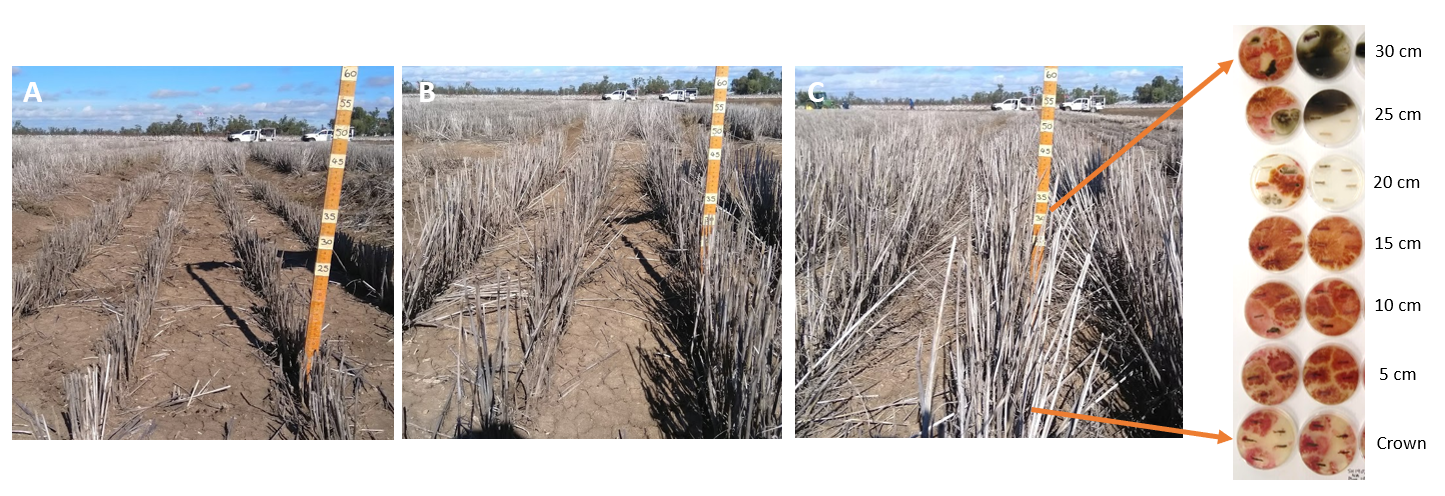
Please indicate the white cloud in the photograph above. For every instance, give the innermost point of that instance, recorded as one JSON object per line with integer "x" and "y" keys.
{"x": 141, "y": 107}
{"x": 553, "y": 77}
{"x": 242, "y": 87}
{"x": 91, "y": 116}
{"x": 165, "y": 93}
{"x": 1131, "y": 73}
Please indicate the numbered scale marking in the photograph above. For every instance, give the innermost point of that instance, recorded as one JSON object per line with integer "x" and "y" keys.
{"x": 714, "y": 158}
{"x": 1046, "y": 162}
{"x": 330, "y": 212}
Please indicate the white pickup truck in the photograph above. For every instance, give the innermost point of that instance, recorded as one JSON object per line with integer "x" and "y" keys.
{"x": 317, "y": 136}
{"x": 1091, "y": 104}
{"x": 679, "y": 96}
{"x": 253, "y": 135}
{"x": 1014, "y": 104}
{"x": 622, "y": 95}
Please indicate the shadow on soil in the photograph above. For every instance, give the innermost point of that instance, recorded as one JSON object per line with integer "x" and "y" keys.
{"x": 230, "y": 311}
{"x": 355, "y": 278}
{"x": 493, "y": 432}
{"x": 671, "y": 382}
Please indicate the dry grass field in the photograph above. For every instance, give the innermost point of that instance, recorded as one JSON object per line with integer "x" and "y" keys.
{"x": 552, "y": 286}
{"x": 916, "y": 313}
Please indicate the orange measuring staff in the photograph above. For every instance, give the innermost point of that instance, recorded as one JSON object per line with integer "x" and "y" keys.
{"x": 714, "y": 158}
{"x": 335, "y": 169}
{"x": 1046, "y": 161}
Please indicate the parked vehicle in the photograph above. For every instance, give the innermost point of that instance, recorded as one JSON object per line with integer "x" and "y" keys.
{"x": 1091, "y": 104}
{"x": 621, "y": 95}
{"x": 253, "y": 135}
{"x": 324, "y": 135}
{"x": 678, "y": 96}
{"x": 1014, "y": 104}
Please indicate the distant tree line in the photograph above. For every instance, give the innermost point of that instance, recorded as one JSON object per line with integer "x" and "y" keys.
{"x": 1160, "y": 90}
{"x": 755, "y": 82}
{"x": 366, "y": 123}
{"x": 363, "y": 122}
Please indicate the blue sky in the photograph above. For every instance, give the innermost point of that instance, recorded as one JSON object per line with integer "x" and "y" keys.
{"x": 945, "y": 82}
{"x": 115, "y": 97}
{"x": 543, "y": 77}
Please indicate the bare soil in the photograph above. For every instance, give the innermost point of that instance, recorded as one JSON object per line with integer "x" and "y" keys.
{"x": 202, "y": 334}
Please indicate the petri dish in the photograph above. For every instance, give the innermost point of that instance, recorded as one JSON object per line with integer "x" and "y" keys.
{"x": 1266, "y": 54}
{"x": 1324, "y": 51}
{"x": 1328, "y": 444}
{"x": 1266, "y": 438}
{"x": 1333, "y": 307}
{"x": 1335, "y": 243}
{"x": 1272, "y": 310}
{"x": 1273, "y": 113}
{"x": 1331, "y": 118}
{"x": 1336, "y": 183}
{"x": 1360, "y": 50}
{"x": 1278, "y": 181}
{"x": 1270, "y": 375}
{"x": 1276, "y": 243}
{"x": 1331, "y": 374}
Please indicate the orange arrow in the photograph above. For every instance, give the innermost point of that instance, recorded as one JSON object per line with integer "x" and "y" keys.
{"x": 1223, "y": 69}
{"x": 1222, "y": 437}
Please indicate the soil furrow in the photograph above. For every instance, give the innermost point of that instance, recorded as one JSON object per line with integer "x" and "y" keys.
{"x": 65, "y": 336}
{"x": 362, "y": 330}
{"x": 600, "y": 391}
{"x": 203, "y": 331}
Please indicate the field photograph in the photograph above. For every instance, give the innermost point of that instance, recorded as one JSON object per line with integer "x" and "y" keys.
{"x": 921, "y": 311}
{"x": 165, "y": 224}
{"x": 554, "y": 281}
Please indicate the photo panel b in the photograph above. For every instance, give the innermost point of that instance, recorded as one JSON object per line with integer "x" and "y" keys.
{"x": 592, "y": 252}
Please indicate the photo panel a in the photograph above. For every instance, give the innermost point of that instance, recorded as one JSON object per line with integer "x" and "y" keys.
{"x": 202, "y": 252}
